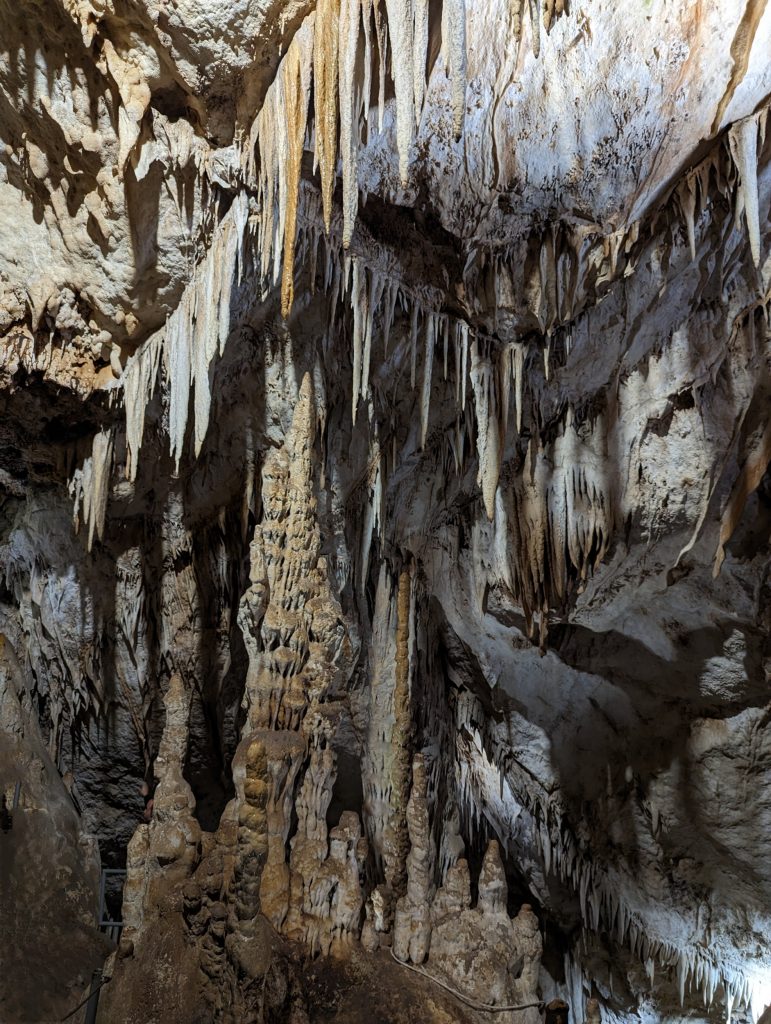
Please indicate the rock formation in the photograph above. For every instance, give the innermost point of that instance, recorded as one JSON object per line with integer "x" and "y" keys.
{"x": 384, "y": 477}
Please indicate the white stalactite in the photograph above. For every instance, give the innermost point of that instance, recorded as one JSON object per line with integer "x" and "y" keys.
{"x": 90, "y": 485}
{"x": 139, "y": 380}
{"x": 413, "y": 342}
{"x": 381, "y": 34}
{"x": 488, "y": 435}
{"x": 359, "y": 302}
{"x": 428, "y": 364}
{"x": 455, "y": 51}
{"x": 349, "y": 142}
{"x": 400, "y": 30}
{"x": 743, "y": 138}
{"x": 420, "y": 53}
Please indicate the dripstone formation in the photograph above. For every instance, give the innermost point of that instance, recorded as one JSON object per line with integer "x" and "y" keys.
{"x": 385, "y": 511}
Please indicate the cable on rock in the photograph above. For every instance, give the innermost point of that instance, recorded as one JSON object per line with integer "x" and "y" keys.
{"x": 485, "y": 1007}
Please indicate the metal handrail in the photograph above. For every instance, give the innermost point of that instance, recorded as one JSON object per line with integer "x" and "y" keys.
{"x": 92, "y": 998}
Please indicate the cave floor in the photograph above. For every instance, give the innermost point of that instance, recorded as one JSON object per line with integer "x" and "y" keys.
{"x": 372, "y": 988}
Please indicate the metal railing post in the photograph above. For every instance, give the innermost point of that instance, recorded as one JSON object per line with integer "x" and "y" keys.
{"x": 93, "y": 998}
{"x": 102, "y": 880}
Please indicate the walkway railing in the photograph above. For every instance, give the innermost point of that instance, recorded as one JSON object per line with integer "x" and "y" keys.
{"x": 106, "y": 923}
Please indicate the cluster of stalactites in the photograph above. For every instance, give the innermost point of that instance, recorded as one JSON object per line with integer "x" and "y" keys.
{"x": 554, "y": 524}
{"x": 541, "y": 12}
{"x": 323, "y": 58}
{"x": 199, "y": 327}
{"x": 492, "y": 790}
{"x": 194, "y": 334}
{"x": 90, "y": 485}
{"x": 744, "y": 140}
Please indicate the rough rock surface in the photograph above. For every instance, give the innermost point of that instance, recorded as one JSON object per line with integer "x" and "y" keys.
{"x": 384, "y": 488}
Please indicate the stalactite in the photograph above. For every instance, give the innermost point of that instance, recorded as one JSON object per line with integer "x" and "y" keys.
{"x": 90, "y": 485}
{"x": 488, "y": 434}
{"x": 177, "y": 359}
{"x": 349, "y": 38}
{"x": 388, "y": 316}
{"x": 743, "y": 137}
{"x": 413, "y": 342}
{"x": 400, "y": 31}
{"x": 381, "y": 34}
{"x": 325, "y": 72}
{"x": 374, "y": 299}
{"x": 535, "y": 27}
{"x": 366, "y": 91}
{"x": 297, "y": 86}
{"x": 687, "y": 195}
{"x": 445, "y": 324}
{"x": 199, "y": 327}
{"x": 464, "y": 362}
{"x": 139, "y": 380}
{"x": 361, "y": 317}
{"x": 518, "y": 365}
{"x": 516, "y": 23}
{"x": 420, "y": 52}
{"x": 454, "y": 45}
{"x": 425, "y": 400}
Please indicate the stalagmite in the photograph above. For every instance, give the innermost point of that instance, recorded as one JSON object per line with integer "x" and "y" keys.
{"x": 373, "y": 512}
{"x": 412, "y": 924}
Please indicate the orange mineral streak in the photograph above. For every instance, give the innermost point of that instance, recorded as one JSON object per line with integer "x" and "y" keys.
{"x": 325, "y": 68}
{"x": 297, "y": 80}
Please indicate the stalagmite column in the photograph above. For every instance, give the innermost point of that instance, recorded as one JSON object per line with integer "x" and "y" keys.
{"x": 412, "y": 921}
{"x": 386, "y": 764}
{"x": 164, "y": 852}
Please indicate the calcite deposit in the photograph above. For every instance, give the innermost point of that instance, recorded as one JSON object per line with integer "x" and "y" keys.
{"x": 385, "y": 511}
